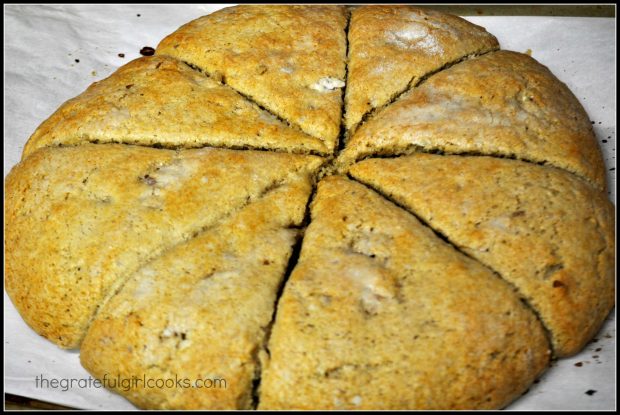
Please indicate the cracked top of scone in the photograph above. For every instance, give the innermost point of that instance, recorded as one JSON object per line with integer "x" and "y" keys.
{"x": 81, "y": 218}
{"x": 501, "y": 104}
{"x": 391, "y": 48}
{"x": 160, "y": 101}
{"x": 546, "y": 231}
{"x": 200, "y": 311}
{"x": 289, "y": 59}
{"x": 380, "y": 313}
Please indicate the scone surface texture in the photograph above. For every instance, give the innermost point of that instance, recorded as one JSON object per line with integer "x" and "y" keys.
{"x": 324, "y": 207}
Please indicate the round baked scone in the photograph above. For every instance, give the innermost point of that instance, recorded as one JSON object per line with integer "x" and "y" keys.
{"x": 316, "y": 207}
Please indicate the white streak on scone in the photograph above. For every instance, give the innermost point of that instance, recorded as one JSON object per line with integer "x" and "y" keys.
{"x": 147, "y": 283}
{"x": 175, "y": 174}
{"x": 415, "y": 36}
{"x": 327, "y": 84}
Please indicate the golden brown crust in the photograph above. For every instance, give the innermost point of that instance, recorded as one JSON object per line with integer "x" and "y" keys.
{"x": 381, "y": 314}
{"x": 162, "y": 101}
{"x": 80, "y": 219}
{"x": 394, "y": 47}
{"x": 544, "y": 230}
{"x": 504, "y": 103}
{"x": 174, "y": 258}
{"x": 200, "y": 311}
{"x": 290, "y": 59}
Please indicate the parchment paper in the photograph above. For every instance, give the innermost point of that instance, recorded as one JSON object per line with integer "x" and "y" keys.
{"x": 43, "y": 45}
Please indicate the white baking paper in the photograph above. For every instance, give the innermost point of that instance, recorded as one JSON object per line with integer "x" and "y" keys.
{"x": 42, "y": 44}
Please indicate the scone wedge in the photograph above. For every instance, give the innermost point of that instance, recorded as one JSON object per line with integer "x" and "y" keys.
{"x": 82, "y": 219}
{"x": 392, "y": 48}
{"x": 380, "y": 313}
{"x": 546, "y": 231}
{"x": 502, "y": 104}
{"x": 289, "y": 59}
{"x": 199, "y": 314}
{"x": 160, "y": 101}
